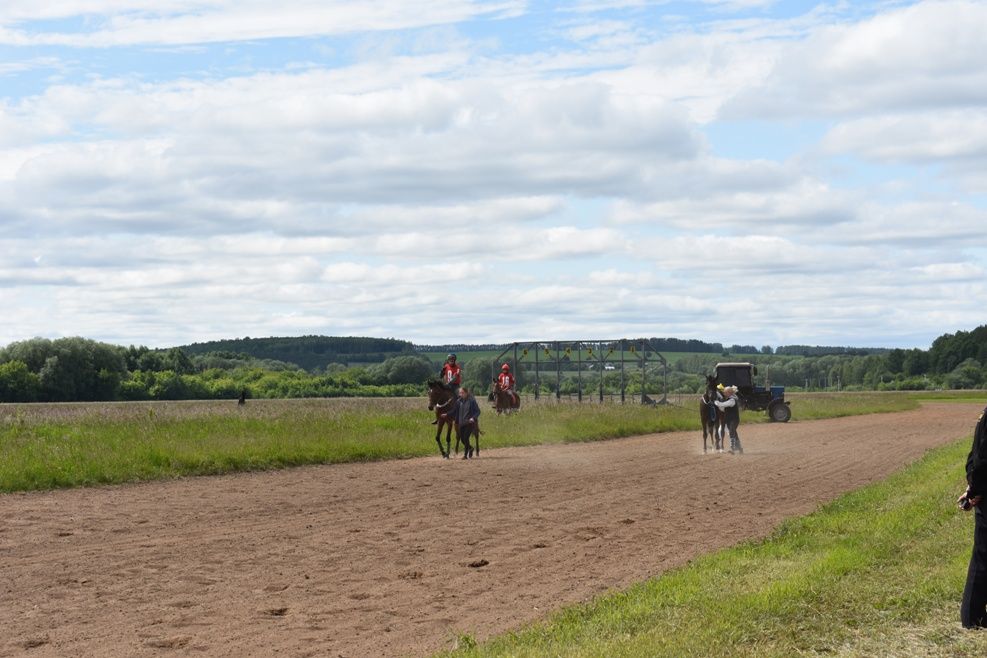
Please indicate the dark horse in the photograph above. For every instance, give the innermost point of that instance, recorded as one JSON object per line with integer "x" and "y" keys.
{"x": 710, "y": 416}
{"x": 503, "y": 401}
{"x": 440, "y": 400}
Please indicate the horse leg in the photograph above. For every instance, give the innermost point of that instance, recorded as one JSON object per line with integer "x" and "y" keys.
{"x": 438, "y": 439}
{"x": 476, "y": 439}
{"x": 457, "y": 436}
{"x": 704, "y": 421}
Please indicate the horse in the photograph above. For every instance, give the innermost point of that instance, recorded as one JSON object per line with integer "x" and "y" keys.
{"x": 440, "y": 400}
{"x": 503, "y": 401}
{"x": 711, "y": 417}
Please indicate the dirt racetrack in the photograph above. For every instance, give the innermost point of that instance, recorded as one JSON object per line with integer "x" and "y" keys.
{"x": 374, "y": 559}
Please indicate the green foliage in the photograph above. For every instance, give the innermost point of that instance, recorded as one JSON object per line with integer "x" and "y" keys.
{"x": 403, "y": 370}
{"x": 70, "y": 369}
{"x": 877, "y": 572}
{"x": 308, "y": 352}
{"x": 77, "y": 369}
{"x": 18, "y": 383}
{"x": 950, "y": 350}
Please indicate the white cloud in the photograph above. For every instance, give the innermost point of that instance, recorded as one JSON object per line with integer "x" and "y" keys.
{"x": 916, "y": 56}
{"x": 564, "y": 190}
{"x": 176, "y": 22}
{"x": 926, "y": 137}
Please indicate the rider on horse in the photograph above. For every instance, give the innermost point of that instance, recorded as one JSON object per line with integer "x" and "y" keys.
{"x": 451, "y": 377}
{"x": 505, "y": 380}
{"x": 452, "y": 374}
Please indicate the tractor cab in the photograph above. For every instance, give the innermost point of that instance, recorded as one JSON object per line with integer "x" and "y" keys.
{"x": 756, "y": 398}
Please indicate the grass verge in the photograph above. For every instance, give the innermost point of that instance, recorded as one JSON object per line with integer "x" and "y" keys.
{"x": 877, "y": 572}
{"x": 50, "y": 446}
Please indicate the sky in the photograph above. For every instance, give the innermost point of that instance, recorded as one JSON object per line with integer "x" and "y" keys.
{"x": 461, "y": 171}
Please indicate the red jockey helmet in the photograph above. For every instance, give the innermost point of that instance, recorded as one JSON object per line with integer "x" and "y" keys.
{"x": 506, "y": 366}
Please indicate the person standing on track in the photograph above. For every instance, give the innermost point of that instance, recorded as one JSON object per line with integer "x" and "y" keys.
{"x": 973, "y": 609}
{"x": 730, "y": 406}
{"x": 452, "y": 374}
{"x": 466, "y": 413}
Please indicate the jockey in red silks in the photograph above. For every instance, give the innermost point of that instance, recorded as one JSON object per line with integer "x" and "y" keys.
{"x": 452, "y": 374}
{"x": 506, "y": 381}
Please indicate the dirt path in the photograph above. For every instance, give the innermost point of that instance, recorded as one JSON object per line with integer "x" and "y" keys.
{"x": 373, "y": 559}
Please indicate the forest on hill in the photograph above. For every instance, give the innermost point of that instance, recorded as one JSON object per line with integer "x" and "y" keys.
{"x": 79, "y": 369}
{"x": 310, "y": 353}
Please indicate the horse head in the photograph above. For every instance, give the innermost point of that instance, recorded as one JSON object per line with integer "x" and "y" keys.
{"x": 438, "y": 394}
{"x": 434, "y": 386}
{"x": 711, "y": 383}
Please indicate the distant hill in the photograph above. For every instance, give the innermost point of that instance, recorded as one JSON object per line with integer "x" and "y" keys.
{"x": 308, "y": 352}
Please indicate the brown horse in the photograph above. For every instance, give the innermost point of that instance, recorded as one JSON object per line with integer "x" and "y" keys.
{"x": 710, "y": 416}
{"x": 440, "y": 400}
{"x": 503, "y": 401}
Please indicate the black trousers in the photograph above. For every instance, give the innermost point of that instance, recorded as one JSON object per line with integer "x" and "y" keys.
{"x": 973, "y": 611}
{"x": 465, "y": 432}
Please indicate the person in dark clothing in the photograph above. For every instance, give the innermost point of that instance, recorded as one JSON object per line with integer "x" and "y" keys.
{"x": 730, "y": 407}
{"x": 973, "y": 610}
{"x": 466, "y": 413}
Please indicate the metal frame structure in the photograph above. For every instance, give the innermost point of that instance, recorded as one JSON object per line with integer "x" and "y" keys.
{"x": 568, "y": 356}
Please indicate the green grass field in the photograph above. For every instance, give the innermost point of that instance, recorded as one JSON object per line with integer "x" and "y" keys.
{"x": 878, "y": 572}
{"x": 66, "y": 445}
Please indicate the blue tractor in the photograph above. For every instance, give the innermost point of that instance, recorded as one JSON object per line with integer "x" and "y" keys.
{"x": 756, "y": 398}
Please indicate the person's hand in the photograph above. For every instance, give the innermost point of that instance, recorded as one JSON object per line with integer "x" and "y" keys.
{"x": 444, "y": 416}
{"x": 965, "y": 503}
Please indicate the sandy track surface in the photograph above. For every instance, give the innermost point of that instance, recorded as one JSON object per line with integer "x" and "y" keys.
{"x": 374, "y": 559}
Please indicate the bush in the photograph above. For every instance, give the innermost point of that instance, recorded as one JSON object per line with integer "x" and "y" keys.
{"x": 18, "y": 383}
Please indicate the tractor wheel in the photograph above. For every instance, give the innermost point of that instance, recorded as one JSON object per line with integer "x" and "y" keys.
{"x": 779, "y": 412}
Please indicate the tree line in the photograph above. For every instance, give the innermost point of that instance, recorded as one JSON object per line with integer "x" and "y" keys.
{"x": 79, "y": 369}
{"x": 310, "y": 353}
{"x": 954, "y": 361}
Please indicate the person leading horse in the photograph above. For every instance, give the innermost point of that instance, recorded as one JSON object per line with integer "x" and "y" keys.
{"x": 730, "y": 408}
